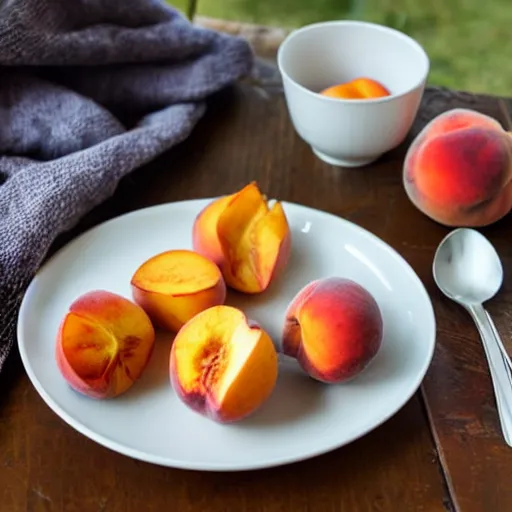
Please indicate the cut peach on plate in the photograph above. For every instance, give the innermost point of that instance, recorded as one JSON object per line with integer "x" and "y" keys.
{"x": 458, "y": 170}
{"x": 359, "y": 88}
{"x": 222, "y": 365}
{"x": 175, "y": 285}
{"x": 333, "y": 328}
{"x": 103, "y": 344}
{"x": 249, "y": 240}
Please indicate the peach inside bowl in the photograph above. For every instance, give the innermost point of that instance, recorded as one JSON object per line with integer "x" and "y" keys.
{"x": 352, "y": 132}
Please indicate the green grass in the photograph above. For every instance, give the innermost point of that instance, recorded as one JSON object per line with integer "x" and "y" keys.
{"x": 468, "y": 41}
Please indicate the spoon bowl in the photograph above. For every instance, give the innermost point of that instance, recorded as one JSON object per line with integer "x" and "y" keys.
{"x": 467, "y": 268}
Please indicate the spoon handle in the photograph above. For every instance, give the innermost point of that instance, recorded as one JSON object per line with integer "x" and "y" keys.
{"x": 497, "y": 337}
{"x": 498, "y": 366}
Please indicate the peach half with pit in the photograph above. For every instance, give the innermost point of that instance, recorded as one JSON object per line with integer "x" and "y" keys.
{"x": 104, "y": 343}
{"x": 222, "y": 365}
{"x": 458, "y": 170}
{"x": 249, "y": 240}
{"x": 173, "y": 286}
{"x": 333, "y": 328}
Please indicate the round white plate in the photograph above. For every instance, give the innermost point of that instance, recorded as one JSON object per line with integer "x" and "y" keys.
{"x": 303, "y": 418}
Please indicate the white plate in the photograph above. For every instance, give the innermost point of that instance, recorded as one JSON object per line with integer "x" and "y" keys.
{"x": 302, "y": 418}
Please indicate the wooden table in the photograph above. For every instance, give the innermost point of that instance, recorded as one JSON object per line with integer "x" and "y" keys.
{"x": 443, "y": 451}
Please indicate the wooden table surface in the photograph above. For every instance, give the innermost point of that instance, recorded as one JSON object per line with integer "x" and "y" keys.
{"x": 443, "y": 451}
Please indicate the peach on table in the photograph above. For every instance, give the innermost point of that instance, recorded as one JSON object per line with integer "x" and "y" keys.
{"x": 458, "y": 170}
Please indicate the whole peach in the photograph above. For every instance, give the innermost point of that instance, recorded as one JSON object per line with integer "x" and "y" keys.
{"x": 333, "y": 328}
{"x": 458, "y": 170}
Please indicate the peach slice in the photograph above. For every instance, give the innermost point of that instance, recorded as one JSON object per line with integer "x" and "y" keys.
{"x": 222, "y": 365}
{"x": 174, "y": 286}
{"x": 204, "y": 231}
{"x": 249, "y": 240}
{"x": 103, "y": 344}
{"x": 359, "y": 88}
{"x": 333, "y": 328}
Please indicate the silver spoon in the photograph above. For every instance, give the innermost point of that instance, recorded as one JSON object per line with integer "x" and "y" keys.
{"x": 468, "y": 270}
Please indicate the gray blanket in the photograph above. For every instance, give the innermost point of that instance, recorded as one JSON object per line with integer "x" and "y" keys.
{"x": 72, "y": 73}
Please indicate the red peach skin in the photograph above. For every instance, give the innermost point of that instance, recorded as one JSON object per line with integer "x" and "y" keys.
{"x": 458, "y": 170}
{"x": 333, "y": 328}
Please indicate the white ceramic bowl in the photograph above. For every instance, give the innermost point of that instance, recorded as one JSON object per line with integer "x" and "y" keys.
{"x": 352, "y": 133}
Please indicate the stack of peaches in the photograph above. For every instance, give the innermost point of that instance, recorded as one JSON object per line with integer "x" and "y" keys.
{"x": 221, "y": 364}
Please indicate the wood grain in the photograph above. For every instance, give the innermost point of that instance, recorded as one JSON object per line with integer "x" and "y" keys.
{"x": 264, "y": 40}
{"x": 246, "y": 135}
{"x": 458, "y": 389}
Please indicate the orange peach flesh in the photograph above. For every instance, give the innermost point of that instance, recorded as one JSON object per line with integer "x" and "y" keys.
{"x": 360, "y": 88}
{"x": 254, "y": 240}
{"x": 104, "y": 344}
{"x": 175, "y": 285}
{"x": 222, "y": 367}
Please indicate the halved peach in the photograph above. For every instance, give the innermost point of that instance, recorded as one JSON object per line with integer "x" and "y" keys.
{"x": 222, "y": 365}
{"x": 103, "y": 344}
{"x": 174, "y": 286}
{"x": 249, "y": 240}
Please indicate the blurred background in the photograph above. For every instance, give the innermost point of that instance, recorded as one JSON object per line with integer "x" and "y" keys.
{"x": 468, "y": 41}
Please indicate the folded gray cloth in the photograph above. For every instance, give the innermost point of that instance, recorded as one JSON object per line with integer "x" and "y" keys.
{"x": 89, "y": 91}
